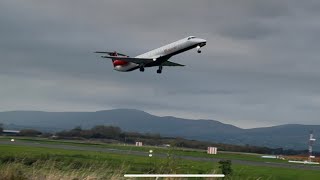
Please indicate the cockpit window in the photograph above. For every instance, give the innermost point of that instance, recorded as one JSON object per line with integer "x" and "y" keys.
{"x": 191, "y": 37}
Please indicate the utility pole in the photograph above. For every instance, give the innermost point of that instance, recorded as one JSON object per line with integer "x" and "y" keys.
{"x": 311, "y": 142}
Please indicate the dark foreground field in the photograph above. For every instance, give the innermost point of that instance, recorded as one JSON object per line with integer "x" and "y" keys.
{"x": 21, "y": 161}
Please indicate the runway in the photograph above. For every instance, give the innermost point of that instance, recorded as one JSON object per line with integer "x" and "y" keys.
{"x": 162, "y": 155}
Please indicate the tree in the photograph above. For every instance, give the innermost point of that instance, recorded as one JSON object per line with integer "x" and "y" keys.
{"x": 1, "y": 128}
{"x": 29, "y": 132}
{"x": 109, "y": 132}
{"x": 225, "y": 166}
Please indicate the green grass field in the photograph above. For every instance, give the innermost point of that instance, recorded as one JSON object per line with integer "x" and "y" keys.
{"x": 176, "y": 151}
{"x": 76, "y": 163}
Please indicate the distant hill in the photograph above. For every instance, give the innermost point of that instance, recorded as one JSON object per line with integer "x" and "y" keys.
{"x": 287, "y": 136}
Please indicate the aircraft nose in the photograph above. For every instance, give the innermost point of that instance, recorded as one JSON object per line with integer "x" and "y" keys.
{"x": 202, "y": 42}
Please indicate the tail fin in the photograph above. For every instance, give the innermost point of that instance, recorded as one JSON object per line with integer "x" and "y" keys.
{"x": 114, "y": 53}
{"x": 116, "y": 62}
{"x": 113, "y": 60}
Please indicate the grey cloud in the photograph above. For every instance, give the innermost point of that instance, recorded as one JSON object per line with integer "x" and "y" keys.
{"x": 247, "y": 30}
{"x": 260, "y": 66}
{"x": 271, "y": 8}
{"x": 202, "y": 92}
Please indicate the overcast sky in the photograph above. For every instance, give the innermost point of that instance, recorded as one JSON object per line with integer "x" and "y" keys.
{"x": 261, "y": 65}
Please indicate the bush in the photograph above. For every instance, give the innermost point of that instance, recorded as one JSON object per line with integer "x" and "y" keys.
{"x": 225, "y": 166}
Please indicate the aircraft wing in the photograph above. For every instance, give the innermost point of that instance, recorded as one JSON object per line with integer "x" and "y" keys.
{"x": 169, "y": 63}
{"x": 131, "y": 59}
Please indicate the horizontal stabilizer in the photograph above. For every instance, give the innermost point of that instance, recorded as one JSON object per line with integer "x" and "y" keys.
{"x": 110, "y": 53}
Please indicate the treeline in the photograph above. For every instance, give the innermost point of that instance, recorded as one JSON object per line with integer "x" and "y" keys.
{"x": 113, "y": 133}
{"x": 97, "y": 132}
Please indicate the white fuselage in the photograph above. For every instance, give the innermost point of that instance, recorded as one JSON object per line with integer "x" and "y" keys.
{"x": 166, "y": 51}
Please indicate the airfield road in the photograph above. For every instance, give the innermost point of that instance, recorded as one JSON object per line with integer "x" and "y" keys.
{"x": 139, "y": 153}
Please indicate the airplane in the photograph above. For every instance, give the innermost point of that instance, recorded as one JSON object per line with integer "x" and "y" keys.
{"x": 157, "y": 57}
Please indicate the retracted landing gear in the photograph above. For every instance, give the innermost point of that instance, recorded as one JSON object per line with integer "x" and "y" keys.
{"x": 159, "y": 71}
{"x": 141, "y": 68}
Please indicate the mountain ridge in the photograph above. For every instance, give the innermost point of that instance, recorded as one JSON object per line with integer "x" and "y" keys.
{"x": 287, "y": 136}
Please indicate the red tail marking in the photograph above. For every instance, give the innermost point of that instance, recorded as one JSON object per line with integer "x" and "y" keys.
{"x": 118, "y": 62}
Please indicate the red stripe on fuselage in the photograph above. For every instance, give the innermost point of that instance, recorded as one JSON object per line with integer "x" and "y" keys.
{"x": 119, "y": 63}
